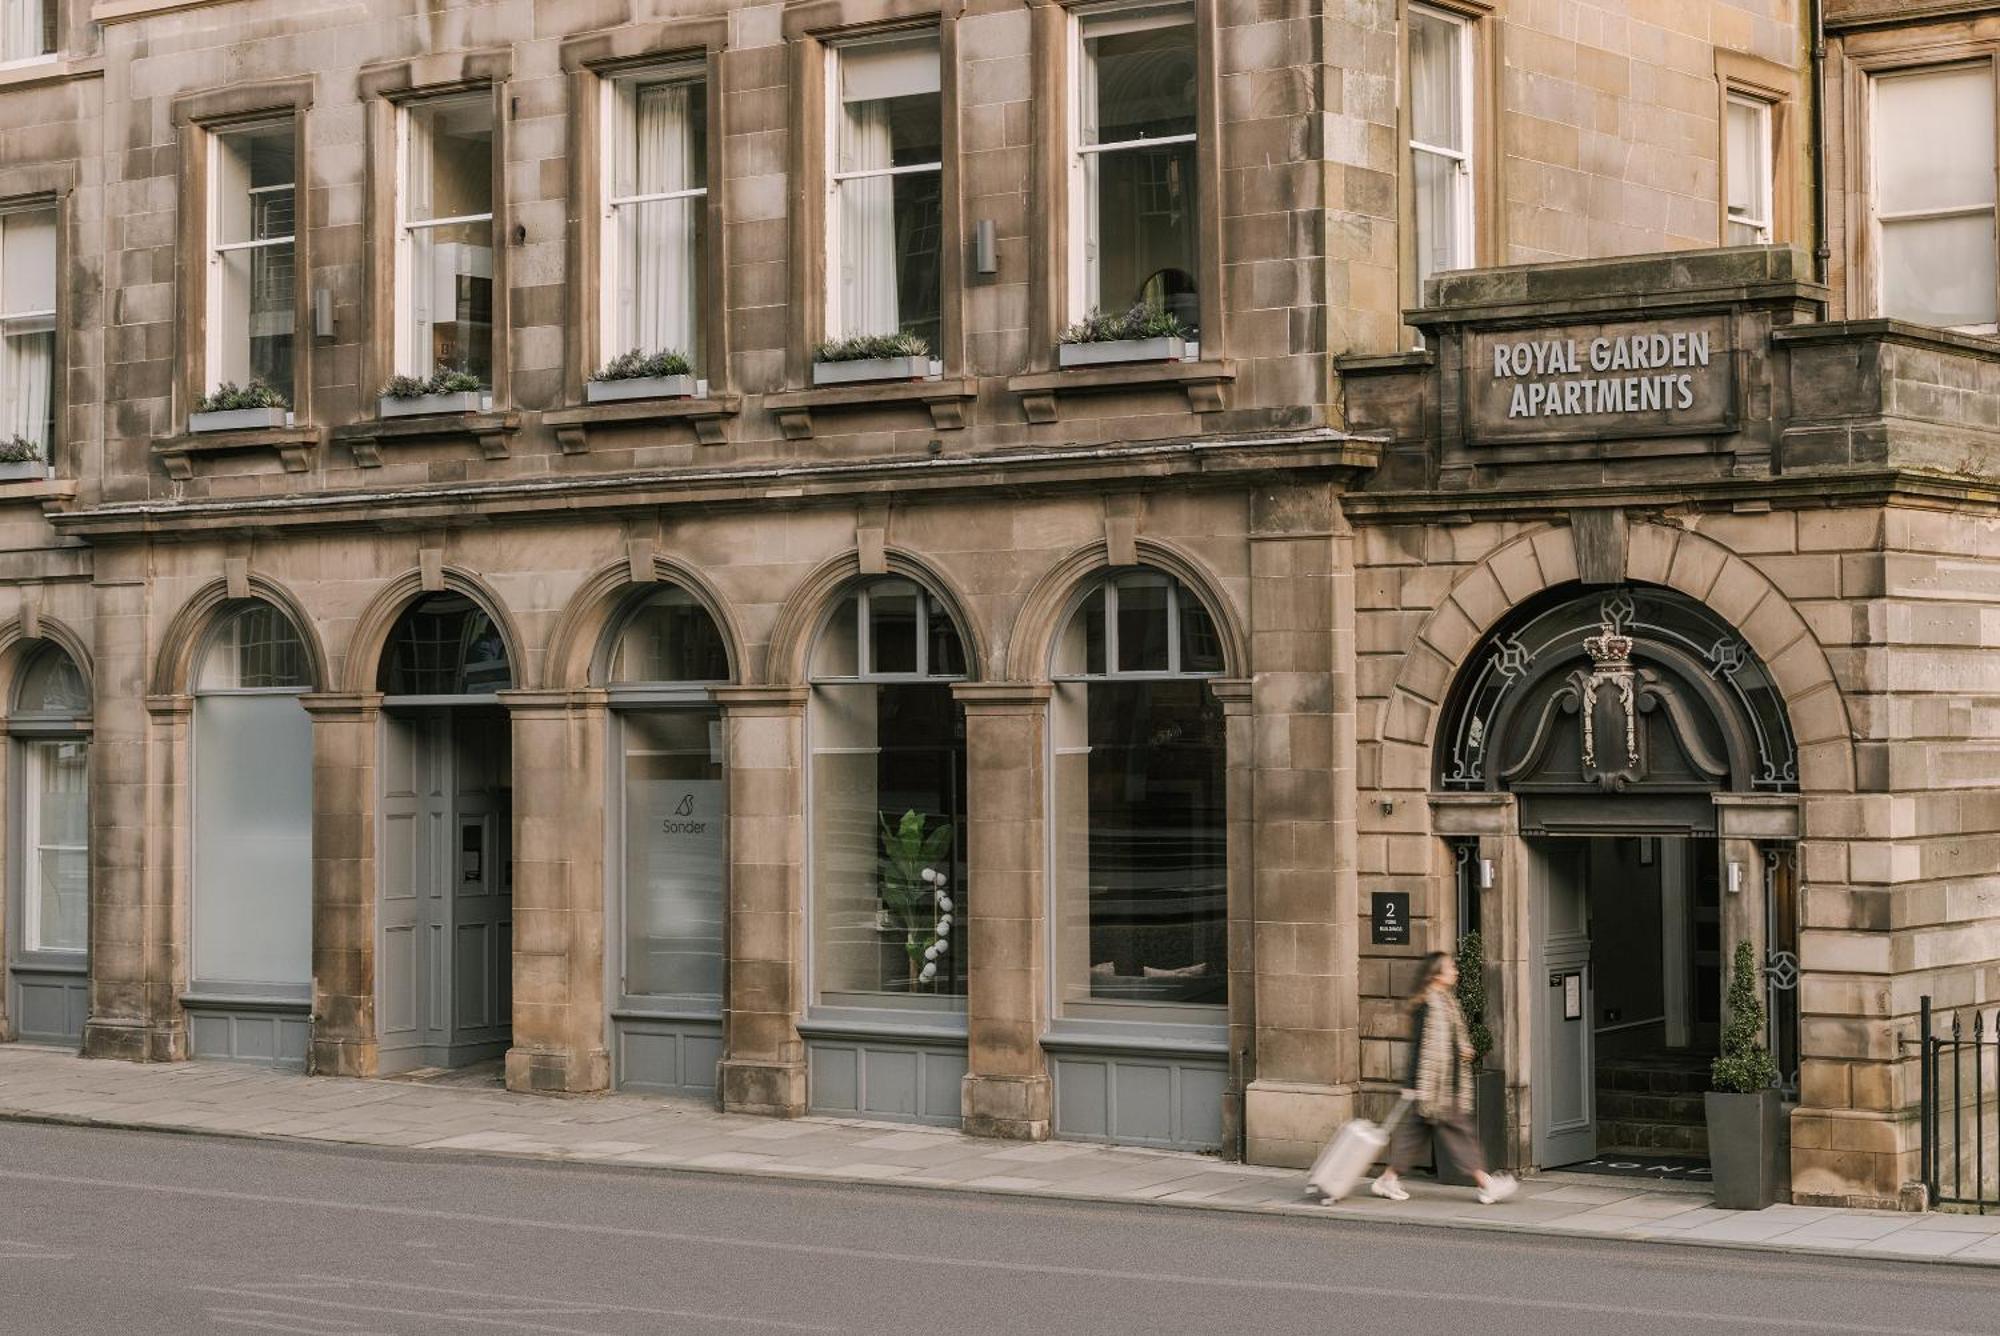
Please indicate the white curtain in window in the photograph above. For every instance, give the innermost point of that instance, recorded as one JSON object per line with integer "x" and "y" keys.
{"x": 661, "y": 235}
{"x": 867, "y": 223}
{"x": 22, "y": 30}
{"x": 30, "y": 372}
{"x": 1437, "y": 122}
{"x": 27, "y": 323}
{"x": 1935, "y": 195}
{"x": 418, "y": 175}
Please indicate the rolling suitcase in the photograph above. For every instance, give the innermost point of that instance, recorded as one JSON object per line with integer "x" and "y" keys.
{"x": 1347, "y": 1157}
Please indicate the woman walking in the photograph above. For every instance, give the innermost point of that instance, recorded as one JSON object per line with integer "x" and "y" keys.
{"x": 1440, "y": 1088}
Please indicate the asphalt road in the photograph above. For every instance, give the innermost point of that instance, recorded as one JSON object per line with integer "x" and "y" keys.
{"x": 106, "y": 1233}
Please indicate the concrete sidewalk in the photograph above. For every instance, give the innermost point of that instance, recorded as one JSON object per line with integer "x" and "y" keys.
{"x": 228, "y": 1099}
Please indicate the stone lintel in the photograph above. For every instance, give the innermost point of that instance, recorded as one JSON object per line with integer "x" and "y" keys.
{"x": 1748, "y": 816}
{"x": 1474, "y": 814}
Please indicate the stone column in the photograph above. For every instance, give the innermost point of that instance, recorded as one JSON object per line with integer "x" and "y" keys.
{"x": 1240, "y": 803}
{"x": 346, "y": 730}
{"x": 1302, "y": 727}
{"x": 558, "y": 854}
{"x": 138, "y": 911}
{"x": 1006, "y": 1092}
{"x": 764, "y": 1059}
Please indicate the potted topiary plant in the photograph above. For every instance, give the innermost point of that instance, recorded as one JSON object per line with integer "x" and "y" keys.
{"x": 642, "y": 375}
{"x": 1489, "y": 1091}
{"x": 1745, "y": 1142}
{"x": 21, "y": 459}
{"x": 443, "y": 391}
{"x": 1142, "y": 334}
{"x": 860, "y": 357}
{"x": 916, "y": 902}
{"x": 233, "y": 407}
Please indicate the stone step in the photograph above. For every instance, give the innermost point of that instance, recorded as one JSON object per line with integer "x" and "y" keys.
{"x": 1683, "y": 1138}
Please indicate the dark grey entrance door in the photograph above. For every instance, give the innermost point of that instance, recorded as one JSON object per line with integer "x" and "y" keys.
{"x": 1565, "y": 1096}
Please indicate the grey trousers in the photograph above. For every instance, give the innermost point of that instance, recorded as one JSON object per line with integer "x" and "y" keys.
{"x": 1453, "y": 1136}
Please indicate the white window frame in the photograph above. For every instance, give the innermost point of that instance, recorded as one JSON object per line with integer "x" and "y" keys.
{"x": 1763, "y": 172}
{"x": 835, "y": 326}
{"x": 33, "y": 849}
{"x": 1465, "y": 221}
{"x": 42, "y": 20}
{"x": 37, "y": 316}
{"x": 219, "y": 250}
{"x": 1084, "y": 279}
{"x": 407, "y": 227}
{"x": 618, "y": 92}
{"x": 1876, "y": 217}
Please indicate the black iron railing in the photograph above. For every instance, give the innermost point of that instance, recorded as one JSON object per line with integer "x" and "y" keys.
{"x": 1961, "y": 1109}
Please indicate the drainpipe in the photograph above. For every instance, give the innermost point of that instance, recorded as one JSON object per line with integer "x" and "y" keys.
{"x": 1822, "y": 252}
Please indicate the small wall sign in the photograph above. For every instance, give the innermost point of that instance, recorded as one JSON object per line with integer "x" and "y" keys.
{"x": 1389, "y": 918}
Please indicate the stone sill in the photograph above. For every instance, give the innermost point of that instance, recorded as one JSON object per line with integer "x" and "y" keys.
{"x": 30, "y": 74}
{"x": 573, "y": 426}
{"x": 946, "y": 398}
{"x": 1202, "y": 382}
{"x": 489, "y": 430}
{"x": 44, "y": 490}
{"x": 295, "y": 447}
{"x": 1362, "y": 364}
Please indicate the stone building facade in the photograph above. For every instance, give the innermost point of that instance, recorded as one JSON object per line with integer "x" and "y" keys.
{"x": 1020, "y": 730}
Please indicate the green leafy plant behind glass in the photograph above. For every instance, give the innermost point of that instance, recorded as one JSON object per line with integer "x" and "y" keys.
{"x": 916, "y": 855}
{"x": 1472, "y": 993}
{"x": 1744, "y": 1067}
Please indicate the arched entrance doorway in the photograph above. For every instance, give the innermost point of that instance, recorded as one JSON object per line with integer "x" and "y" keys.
{"x": 1647, "y": 773}
{"x": 445, "y": 930}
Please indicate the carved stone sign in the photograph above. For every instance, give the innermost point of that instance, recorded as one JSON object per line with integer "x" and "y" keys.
{"x": 1628, "y": 379}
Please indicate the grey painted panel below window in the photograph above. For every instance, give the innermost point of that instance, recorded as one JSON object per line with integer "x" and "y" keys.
{"x": 50, "y": 1008}
{"x": 914, "y": 1083}
{"x": 668, "y": 1058}
{"x": 1141, "y": 1100}
{"x": 273, "y": 1038}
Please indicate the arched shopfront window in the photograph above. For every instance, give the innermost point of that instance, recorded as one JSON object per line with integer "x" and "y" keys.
{"x": 445, "y": 645}
{"x": 663, "y": 655}
{"x": 50, "y": 723}
{"x": 253, "y": 759}
{"x": 1141, "y": 864}
{"x": 888, "y": 802}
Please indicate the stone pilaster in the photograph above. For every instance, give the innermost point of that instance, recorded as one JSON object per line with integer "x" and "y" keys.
{"x": 1240, "y": 804}
{"x": 764, "y": 1059}
{"x": 559, "y": 804}
{"x": 1301, "y": 727}
{"x": 346, "y": 729}
{"x": 1006, "y": 1092}
{"x": 138, "y": 912}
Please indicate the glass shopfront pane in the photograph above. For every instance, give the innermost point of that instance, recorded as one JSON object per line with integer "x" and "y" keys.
{"x": 1941, "y": 271}
{"x": 1141, "y": 840}
{"x": 1142, "y": 230}
{"x": 52, "y": 686}
{"x": 254, "y": 648}
{"x": 671, "y": 638}
{"x": 675, "y": 841}
{"x": 252, "y": 841}
{"x": 888, "y": 795}
{"x": 445, "y": 645}
{"x": 59, "y": 861}
{"x": 1141, "y": 75}
{"x": 890, "y": 221}
{"x": 451, "y": 295}
{"x": 892, "y": 627}
{"x": 1142, "y": 624}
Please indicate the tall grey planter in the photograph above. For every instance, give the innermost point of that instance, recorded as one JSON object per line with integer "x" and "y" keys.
{"x": 1489, "y": 1121}
{"x": 1746, "y": 1149}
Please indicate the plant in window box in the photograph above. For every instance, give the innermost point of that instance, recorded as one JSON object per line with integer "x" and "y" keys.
{"x": 233, "y": 407}
{"x": 1143, "y": 334}
{"x": 21, "y": 458}
{"x": 860, "y": 357}
{"x": 642, "y": 375}
{"x": 1746, "y": 1143}
{"x": 443, "y": 391}
{"x": 916, "y": 902}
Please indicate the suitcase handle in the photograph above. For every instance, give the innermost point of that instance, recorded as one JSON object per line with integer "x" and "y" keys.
{"x": 1396, "y": 1115}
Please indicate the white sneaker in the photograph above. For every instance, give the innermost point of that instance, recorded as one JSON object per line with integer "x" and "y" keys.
{"x": 1499, "y": 1187}
{"x": 1384, "y": 1187}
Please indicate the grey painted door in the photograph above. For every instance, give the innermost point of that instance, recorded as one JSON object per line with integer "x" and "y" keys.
{"x": 1565, "y": 1095}
{"x": 445, "y": 947}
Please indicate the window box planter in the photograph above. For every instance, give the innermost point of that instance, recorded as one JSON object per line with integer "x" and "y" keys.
{"x": 639, "y": 387}
{"x": 427, "y": 405}
{"x": 24, "y": 471}
{"x": 240, "y": 419}
{"x": 871, "y": 368}
{"x": 1121, "y": 350}
{"x": 1747, "y": 1149}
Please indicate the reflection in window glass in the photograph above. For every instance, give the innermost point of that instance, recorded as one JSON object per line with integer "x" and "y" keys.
{"x": 892, "y": 628}
{"x": 57, "y": 844}
{"x": 445, "y": 645}
{"x": 252, "y": 278}
{"x": 1139, "y": 807}
{"x": 888, "y": 628}
{"x": 252, "y": 841}
{"x": 1934, "y": 195}
{"x": 1135, "y": 163}
{"x": 657, "y": 208}
{"x": 447, "y": 237}
{"x": 886, "y": 173}
{"x": 253, "y": 648}
{"x": 52, "y": 686}
{"x": 675, "y": 828}
{"x": 670, "y": 638}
